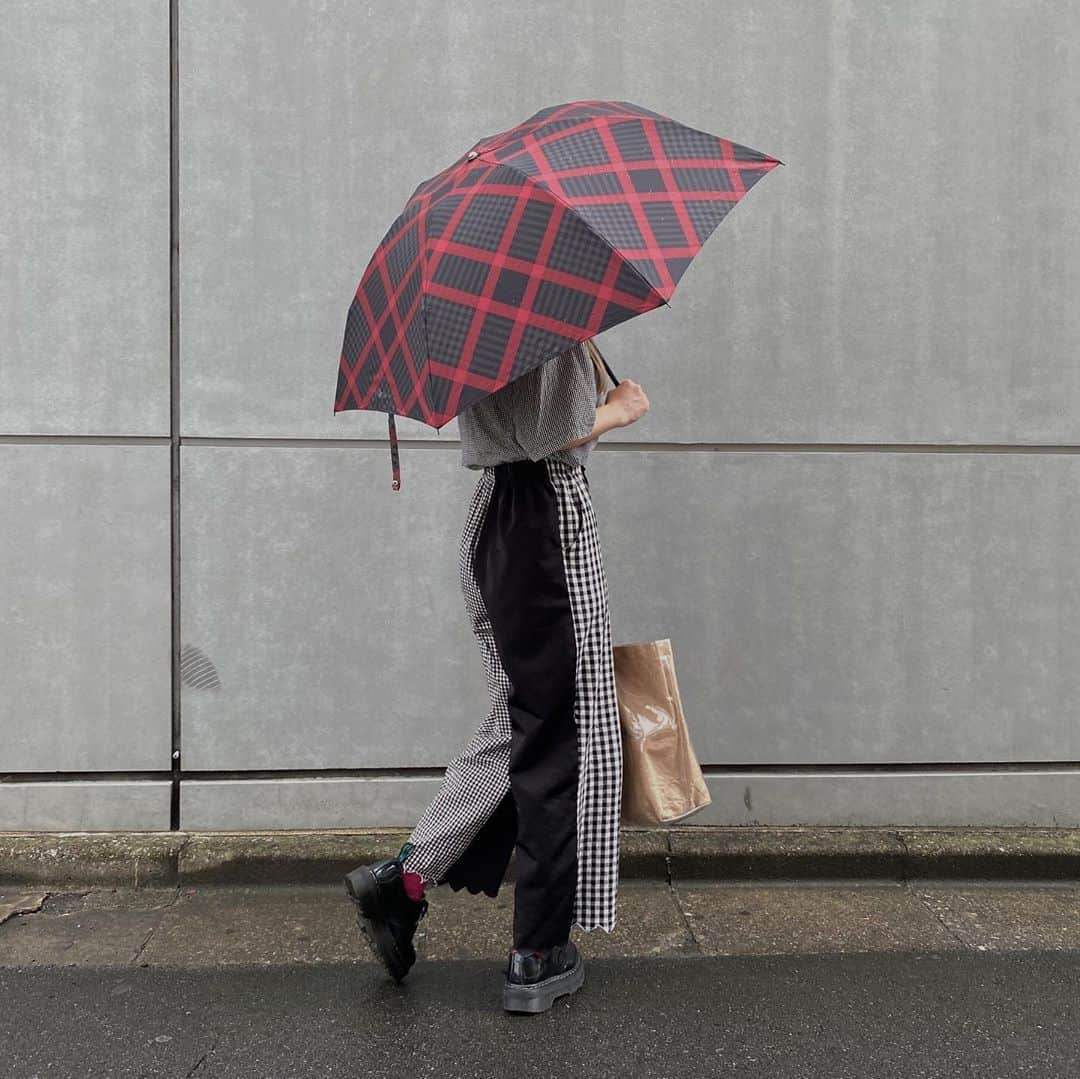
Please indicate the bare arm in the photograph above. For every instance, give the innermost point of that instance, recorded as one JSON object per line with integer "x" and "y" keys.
{"x": 608, "y": 417}
{"x": 625, "y": 404}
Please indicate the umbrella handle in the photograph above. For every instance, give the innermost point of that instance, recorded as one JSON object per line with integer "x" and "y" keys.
{"x": 603, "y": 360}
{"x": 611, "y": 374}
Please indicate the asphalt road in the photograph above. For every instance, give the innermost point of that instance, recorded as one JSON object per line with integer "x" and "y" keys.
{"x": 873, "y": 1016}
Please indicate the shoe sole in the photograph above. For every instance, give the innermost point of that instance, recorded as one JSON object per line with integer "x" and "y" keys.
{"x": 363, "y": 889}
{"x": 540, "y": 997}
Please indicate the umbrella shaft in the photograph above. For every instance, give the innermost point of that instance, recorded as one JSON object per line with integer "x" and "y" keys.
{"x": 611, "y": 374}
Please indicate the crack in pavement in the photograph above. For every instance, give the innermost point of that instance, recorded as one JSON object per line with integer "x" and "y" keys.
{"x": 27, "y": 903}
{"x": 686, "y": 919}
{"x": 146, "y": 940}
{"x": 909, "y": 887}
{"x": 199, "y": 1063}
{"x": 907, "y": 882}
{"x": 677, "y": 899}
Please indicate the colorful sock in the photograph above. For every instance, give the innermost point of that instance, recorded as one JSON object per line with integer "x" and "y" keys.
{"x": 414, "y": 885}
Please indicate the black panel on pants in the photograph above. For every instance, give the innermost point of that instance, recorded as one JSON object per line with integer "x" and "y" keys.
{"x": 521, "y": 574}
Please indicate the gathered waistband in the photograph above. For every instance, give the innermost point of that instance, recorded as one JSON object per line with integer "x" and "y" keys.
{"x": 525, "y": 465}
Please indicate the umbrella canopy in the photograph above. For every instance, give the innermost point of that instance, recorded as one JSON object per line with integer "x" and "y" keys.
{"x": 548, "y": 233}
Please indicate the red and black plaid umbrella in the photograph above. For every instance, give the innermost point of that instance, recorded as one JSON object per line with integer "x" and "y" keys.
{"x": 540, "y": 236}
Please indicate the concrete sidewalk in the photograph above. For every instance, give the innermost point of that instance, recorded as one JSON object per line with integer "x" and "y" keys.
{"x": 276, "y": 898}
{"x": 216, "y": 926}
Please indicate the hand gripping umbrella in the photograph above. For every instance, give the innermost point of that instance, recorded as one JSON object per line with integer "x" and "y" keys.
{"x": 582, "y": 216}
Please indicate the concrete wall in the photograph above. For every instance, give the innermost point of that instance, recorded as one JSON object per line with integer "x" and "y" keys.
{"x": 854, "y": 505}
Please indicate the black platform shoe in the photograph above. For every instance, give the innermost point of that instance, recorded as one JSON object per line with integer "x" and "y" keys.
{"x": 385, "y": 914}
{"x": 535, "y": 979}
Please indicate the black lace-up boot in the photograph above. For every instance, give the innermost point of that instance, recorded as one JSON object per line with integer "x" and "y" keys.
{"x": 385, "y": 914}
{"x": 534, "y": 978}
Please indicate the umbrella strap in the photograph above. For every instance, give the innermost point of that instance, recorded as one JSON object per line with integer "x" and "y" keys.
{"x": 395, "y": 465}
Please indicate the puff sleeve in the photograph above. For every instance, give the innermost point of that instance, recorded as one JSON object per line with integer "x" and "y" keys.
{"x": 556, "y": 403}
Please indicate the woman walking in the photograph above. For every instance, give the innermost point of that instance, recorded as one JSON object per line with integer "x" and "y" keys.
{"x": 542, "y": 776}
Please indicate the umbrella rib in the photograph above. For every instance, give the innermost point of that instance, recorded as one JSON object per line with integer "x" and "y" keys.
{"x": 611, "y": 247}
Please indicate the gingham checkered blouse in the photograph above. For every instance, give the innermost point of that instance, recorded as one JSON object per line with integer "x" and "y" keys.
{"x": 536, "y": 414}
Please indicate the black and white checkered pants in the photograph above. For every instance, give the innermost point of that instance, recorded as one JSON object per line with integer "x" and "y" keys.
{"x": 542, "y": 776}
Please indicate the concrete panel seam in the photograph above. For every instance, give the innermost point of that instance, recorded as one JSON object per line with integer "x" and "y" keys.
{"x": 619, "y": 445}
